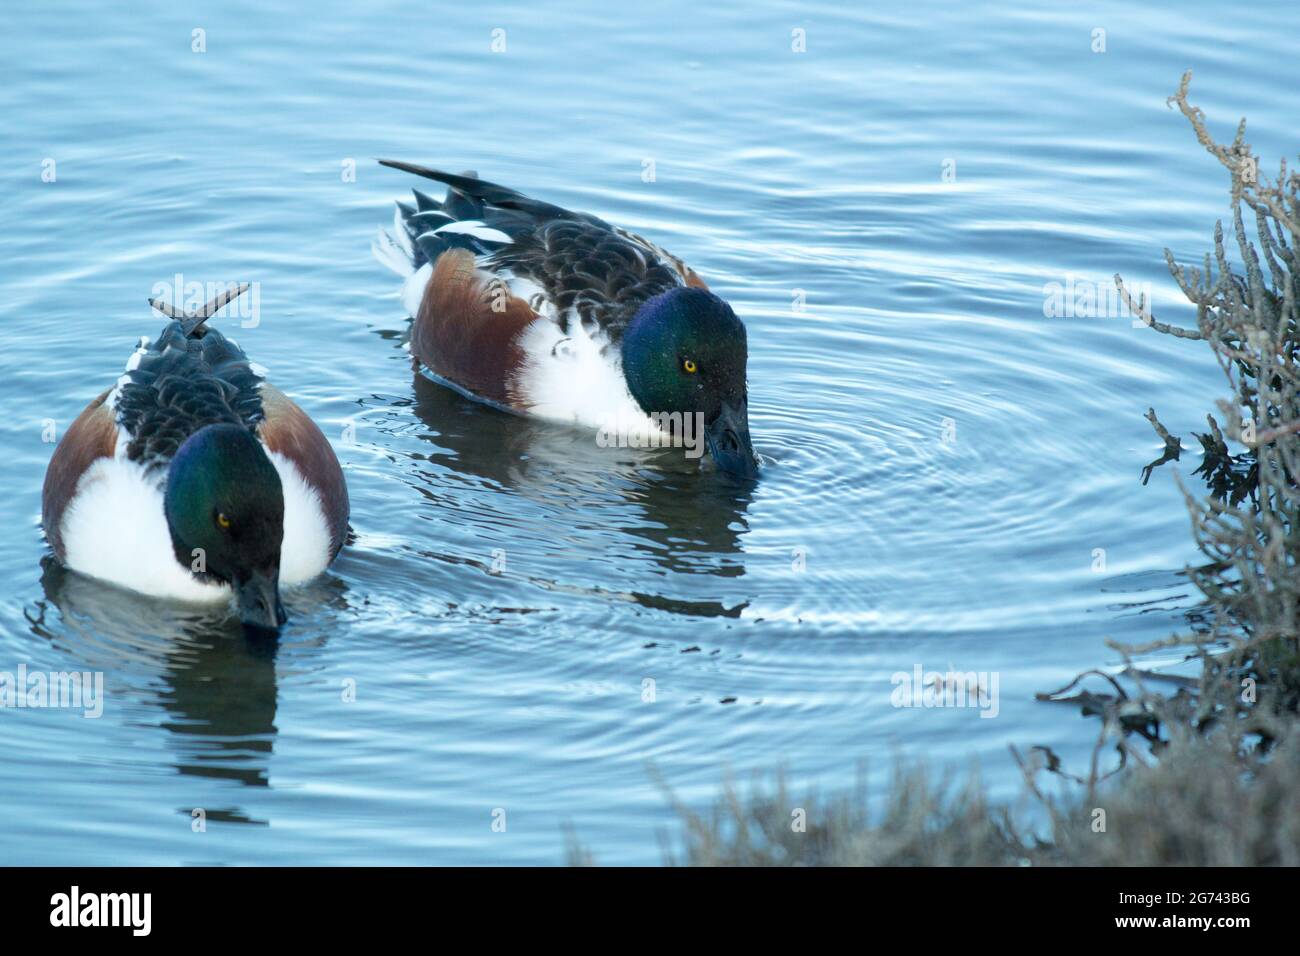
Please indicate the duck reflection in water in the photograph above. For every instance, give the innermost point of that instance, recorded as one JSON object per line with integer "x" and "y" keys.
{"x": 687, "y": 521}
{"x": 212, "y": 683}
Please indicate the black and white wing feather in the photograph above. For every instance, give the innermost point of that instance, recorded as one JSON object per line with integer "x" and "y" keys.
{"x": 577, "y": 266}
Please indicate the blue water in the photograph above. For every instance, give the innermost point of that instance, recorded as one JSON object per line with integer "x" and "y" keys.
{"x": 943, "y": 461}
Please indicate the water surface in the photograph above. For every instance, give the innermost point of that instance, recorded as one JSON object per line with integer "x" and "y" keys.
{"x": 950, "y": 476}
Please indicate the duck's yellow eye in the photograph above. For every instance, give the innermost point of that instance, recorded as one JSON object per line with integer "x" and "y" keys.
{"x": 222, "y": 520}
{"x": 689, "y": 366}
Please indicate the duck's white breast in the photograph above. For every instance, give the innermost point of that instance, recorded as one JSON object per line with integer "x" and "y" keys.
{"x": 115, "y": 529}
{"x": 305, "y": 552}
{"x": 572, "y": 378}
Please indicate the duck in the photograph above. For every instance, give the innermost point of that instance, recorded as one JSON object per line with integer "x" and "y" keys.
{"x": 194, "y": 479}
{"x": 542, "y": 311}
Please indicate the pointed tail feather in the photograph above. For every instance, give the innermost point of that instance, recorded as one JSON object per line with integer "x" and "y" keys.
{"x": 467, "y": 183}
{"x": 191, "y": 322}
{"x": 423, "y": 232}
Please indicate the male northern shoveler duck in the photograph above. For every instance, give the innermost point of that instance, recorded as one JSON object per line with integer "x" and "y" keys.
{"x": 194, "y": 477}
{"x": 548, "y": 312}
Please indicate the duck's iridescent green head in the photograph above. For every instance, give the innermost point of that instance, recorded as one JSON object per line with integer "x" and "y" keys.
{"x": 685, "y": 351}
{"x": 225, "y": 510}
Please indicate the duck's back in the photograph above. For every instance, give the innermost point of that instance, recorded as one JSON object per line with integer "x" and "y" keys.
{"x": 181, "y": 383}
{"x": 522, "y": 303}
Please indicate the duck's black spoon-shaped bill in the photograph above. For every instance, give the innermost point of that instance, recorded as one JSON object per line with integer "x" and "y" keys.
{"x": 260, "y": 607}
{"x": 192, "y": 320}
{"x": 727, "y": 437}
